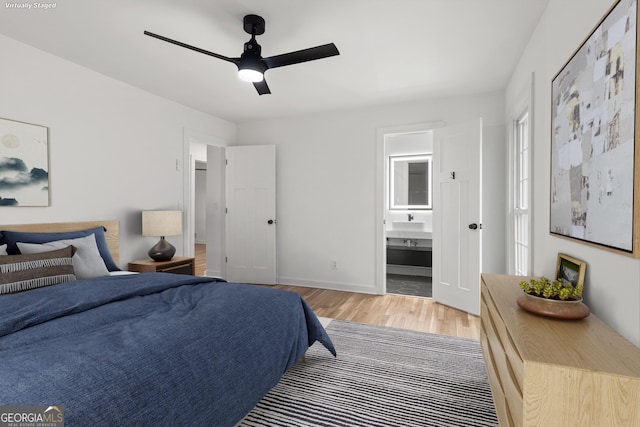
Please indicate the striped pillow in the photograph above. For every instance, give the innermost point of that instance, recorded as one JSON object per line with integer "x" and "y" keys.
{"x": 24, "y": 272}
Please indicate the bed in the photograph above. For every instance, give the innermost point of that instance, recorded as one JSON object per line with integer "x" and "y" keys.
{"x": 145, "y": 349}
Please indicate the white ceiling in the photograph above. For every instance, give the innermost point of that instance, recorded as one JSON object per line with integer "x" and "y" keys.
{"x": 391, "y": 51}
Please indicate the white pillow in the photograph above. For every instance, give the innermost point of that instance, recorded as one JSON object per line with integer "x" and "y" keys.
{"x": 3, "y": 249}
{"x": 87, "y": 262}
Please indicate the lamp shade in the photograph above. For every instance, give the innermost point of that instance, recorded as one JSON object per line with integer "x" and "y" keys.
{"x": 161, "y": 223}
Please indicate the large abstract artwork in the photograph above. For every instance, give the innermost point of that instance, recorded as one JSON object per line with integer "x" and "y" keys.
{"x": 593, "y": 119}
{"x": 24, "y": 164}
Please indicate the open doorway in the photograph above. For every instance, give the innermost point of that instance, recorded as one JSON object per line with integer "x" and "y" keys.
{"x": 231, "y": 208}
{"x": 404, "y": 210}
{"x": 408, "y": 212}
{"x": 200, "y": 217}
{"x": 196, "y": 204}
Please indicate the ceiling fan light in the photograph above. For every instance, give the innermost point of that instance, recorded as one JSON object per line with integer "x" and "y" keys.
{"x": 249, "y": 75}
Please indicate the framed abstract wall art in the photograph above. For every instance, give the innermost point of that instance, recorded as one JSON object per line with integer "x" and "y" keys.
{"x": 24, "y": 164}
{"x": 595, "y": 161}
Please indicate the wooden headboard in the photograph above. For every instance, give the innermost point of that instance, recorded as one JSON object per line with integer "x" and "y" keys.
{"x": 112, "y": 234}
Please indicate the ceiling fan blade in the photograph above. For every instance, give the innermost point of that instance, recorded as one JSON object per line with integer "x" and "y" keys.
{"x": 188, "y": 46}
{"x": 262, "y": 87}
{"x": 304, "y": 55}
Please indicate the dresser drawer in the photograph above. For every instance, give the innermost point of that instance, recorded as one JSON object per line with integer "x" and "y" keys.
{"x": 491, "y": 323}
{"x": 178, "y": 269}
{"x": 510, "y": 350}
{"x": 515, "y": 362}
{"x": 496, "y": 388}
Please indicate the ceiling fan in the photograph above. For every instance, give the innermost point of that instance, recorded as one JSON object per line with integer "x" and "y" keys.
{"x": 251, "y": 65}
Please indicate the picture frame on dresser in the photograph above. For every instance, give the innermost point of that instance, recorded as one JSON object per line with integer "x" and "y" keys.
{"x": 595, "y": 161}
{"x": 570, "y": 270}
{"x": 24, "y": 164}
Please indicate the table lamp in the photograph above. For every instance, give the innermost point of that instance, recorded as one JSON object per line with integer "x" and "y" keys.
{"x": 161, "y": 224}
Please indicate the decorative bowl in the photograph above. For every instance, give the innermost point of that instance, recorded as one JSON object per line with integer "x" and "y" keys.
{"x": 557, "y": 309}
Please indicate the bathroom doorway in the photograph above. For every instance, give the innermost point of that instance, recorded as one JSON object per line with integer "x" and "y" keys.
{"x": 406, "y": 209}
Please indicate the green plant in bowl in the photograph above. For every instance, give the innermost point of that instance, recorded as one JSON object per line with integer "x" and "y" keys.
{"x": 556, "y": 290}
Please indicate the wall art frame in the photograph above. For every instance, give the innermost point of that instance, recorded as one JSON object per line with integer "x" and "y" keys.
{"x": 595, "y": 160}
{"x": 24, "y": 164}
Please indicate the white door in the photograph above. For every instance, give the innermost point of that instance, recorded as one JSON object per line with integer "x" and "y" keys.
{"x": 457, "y": 218}
{"x": 250, "y": 214}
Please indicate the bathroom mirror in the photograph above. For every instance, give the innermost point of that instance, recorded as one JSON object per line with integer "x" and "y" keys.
{"x": 410, "y": 182}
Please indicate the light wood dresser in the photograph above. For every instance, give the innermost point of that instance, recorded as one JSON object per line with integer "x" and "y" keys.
{"x": 557, "y": 373}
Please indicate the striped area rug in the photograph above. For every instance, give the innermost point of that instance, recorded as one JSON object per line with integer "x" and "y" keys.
{"x": 382, "y": 377}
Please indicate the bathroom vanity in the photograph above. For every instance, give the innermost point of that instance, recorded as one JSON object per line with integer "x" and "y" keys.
{"x": 409, "y": 247}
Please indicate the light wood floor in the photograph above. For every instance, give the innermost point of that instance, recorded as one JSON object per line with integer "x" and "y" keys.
{"x": 398, "y": 311}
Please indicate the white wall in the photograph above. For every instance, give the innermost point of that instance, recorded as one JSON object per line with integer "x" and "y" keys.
{"x": 612, "y": 284}
{"x": 494, "y": 212}
{"x": 112, "y": 147}
{"x": 326, "y": 182}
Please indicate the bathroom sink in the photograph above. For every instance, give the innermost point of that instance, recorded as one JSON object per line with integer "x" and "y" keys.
{"x": 407, "y": 226}
{"x": 408, "y": 230}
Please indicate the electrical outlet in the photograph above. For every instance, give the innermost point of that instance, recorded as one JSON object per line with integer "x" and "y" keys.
{"x": 334, "y": 264}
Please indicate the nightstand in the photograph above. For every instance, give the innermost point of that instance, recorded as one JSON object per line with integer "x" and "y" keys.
{"x": 177, "y": 265}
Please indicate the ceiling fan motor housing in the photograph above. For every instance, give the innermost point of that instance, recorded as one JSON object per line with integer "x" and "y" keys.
{"x": 253, "y": 24}
{"x": 251, "y": 57}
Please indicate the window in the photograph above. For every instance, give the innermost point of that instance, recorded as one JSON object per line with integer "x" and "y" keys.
{"x": 521, "y": 185}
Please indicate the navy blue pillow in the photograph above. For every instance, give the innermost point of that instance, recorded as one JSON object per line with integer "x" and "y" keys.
{"x": 12, "y": 237}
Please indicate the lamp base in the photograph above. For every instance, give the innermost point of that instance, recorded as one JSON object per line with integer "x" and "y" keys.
{"x": 162, "y": 251}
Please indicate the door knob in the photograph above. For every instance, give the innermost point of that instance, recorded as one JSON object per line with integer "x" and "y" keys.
{"x": 271, "y": 222}
{"x": 473, "y": 226}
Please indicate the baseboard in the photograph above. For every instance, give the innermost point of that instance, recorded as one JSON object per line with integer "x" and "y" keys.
{"x": 334, "y": 286}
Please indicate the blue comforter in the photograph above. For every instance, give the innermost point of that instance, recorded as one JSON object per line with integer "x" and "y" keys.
{"x": 150, "y": 349}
